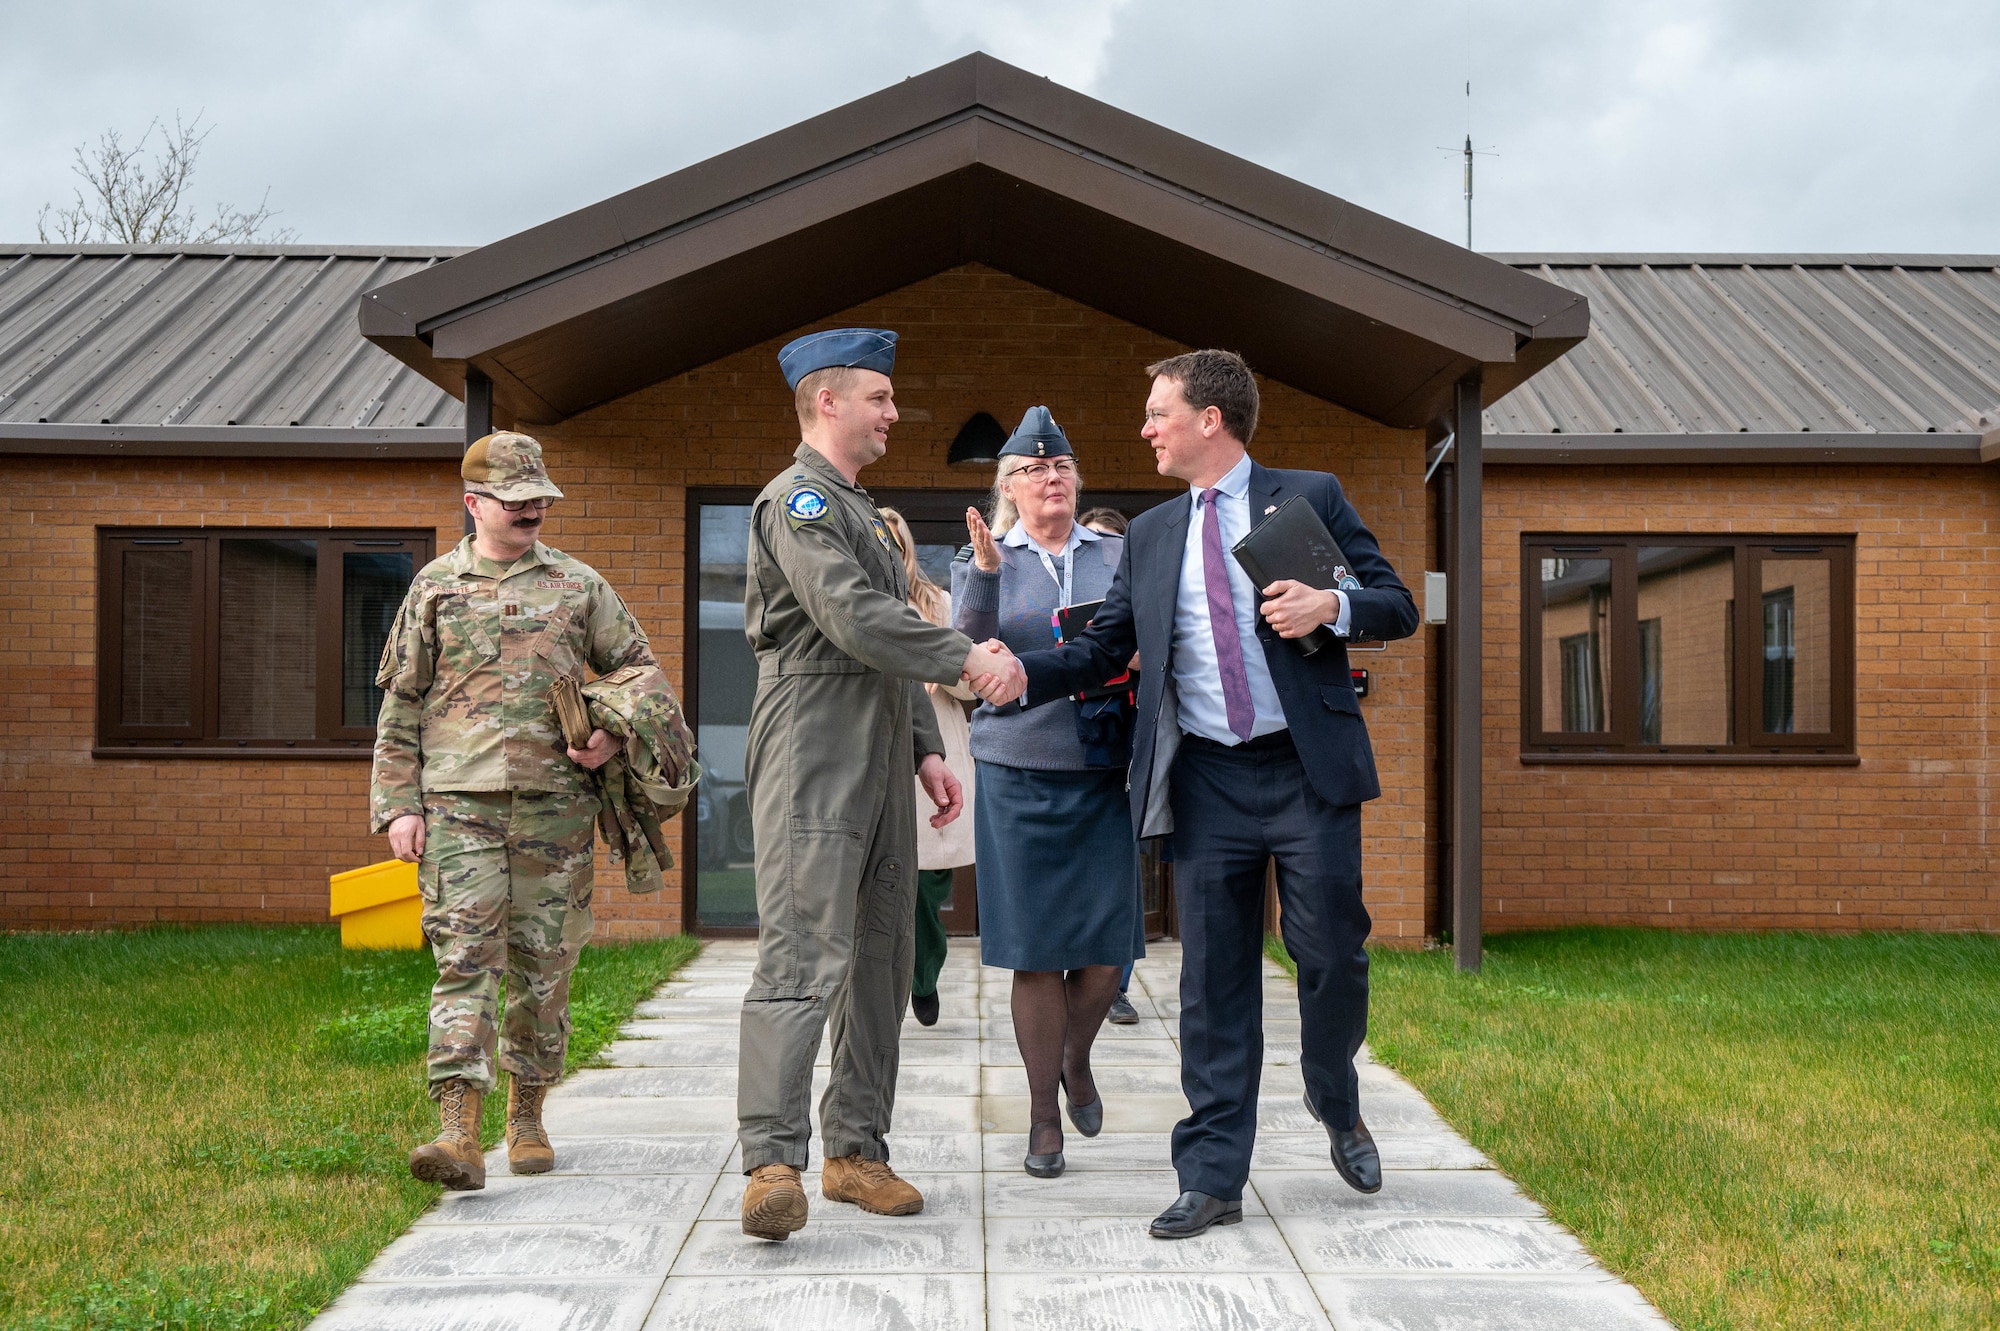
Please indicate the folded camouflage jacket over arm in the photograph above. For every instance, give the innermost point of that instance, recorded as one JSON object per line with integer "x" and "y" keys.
{"x": 650, "y": 778}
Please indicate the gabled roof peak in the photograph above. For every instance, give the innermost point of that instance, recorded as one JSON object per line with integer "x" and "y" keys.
{"x": 975, "y": 161}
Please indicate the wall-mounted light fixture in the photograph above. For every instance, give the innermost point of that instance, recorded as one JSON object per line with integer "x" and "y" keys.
{"x": 977, "y": 443}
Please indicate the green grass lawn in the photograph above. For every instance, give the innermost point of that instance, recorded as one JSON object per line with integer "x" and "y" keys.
{"x": 1758, "y": 1130}
{"x": 208, "y": 1128}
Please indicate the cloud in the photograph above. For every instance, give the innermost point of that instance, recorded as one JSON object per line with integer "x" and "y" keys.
{"x": 1690, "y": 125}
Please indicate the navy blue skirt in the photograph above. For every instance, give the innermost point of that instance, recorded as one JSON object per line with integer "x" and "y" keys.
{"x": 1058, "y": 869}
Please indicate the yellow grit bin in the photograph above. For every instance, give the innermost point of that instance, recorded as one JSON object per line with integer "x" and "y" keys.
{"x": 378, "y": 907}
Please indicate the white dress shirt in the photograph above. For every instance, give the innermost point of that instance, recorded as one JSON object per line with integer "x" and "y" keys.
{"x": 1197, "y": 677}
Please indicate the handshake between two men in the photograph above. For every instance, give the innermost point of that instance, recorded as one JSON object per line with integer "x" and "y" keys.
{"x": 1292, "y": 609}
{"x": 994, "y": 672}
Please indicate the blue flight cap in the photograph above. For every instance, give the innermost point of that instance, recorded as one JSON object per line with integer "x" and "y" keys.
{"x": 1037, "y": 436}
{"x": 851, "y": 348}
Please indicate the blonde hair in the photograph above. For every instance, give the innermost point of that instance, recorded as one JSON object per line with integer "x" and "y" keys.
{"x": 926, "y": 597}
{"x": 805, "y": 398}
{"x": 1005, "y": 514}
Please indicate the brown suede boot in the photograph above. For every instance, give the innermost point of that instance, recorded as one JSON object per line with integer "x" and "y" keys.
{"x": 870, "y": 1185}
{"x": 528, "y": 1149}
{"x": 774, "y": 1203}
{"x": 454, "y": 1159}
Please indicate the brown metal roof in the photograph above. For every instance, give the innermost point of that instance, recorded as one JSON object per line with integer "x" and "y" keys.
{"x": 974, "y": 161}
{"x": 207, "y": 349}
{"x": 1768, "y": 355}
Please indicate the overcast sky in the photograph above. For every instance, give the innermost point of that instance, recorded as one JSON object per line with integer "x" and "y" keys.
{"x": 1708, "y": 125}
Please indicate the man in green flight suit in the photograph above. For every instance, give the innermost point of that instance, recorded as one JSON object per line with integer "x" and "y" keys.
{"x": 839, "y": 722}
{"x": 474, "y": 781}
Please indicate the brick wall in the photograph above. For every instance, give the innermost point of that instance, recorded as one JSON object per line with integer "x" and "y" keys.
{"x": 101, "y": 841}
{"x": 1896, "y": 843}
{"x": 94, "y": 841}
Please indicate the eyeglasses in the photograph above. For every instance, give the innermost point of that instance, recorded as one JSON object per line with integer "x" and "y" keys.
{"x": 1155, "y": 417}
{"x": 516, "y": 505}
{"x": 1040, "y": 471}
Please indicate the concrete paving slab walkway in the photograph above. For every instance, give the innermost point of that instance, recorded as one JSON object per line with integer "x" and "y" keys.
{"x": 637, "y": 1230}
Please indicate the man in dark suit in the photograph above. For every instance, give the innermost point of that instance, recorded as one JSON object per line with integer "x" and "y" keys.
{"x": 1244, "y": 750}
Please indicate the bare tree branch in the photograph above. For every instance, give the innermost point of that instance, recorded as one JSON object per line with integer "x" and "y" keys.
{"x": 138, "y": 196}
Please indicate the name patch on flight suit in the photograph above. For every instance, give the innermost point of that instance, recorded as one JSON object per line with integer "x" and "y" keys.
{"x": 805, "y": 504}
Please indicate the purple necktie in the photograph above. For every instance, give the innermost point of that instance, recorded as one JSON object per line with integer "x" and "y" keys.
{"x": 1222, "y": 623}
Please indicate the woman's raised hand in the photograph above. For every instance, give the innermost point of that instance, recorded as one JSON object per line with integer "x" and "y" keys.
{"x": 985, "y": 554}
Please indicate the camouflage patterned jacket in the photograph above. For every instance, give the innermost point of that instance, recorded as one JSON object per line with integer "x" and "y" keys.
{"x": 467, "y": 670}
{"x": 651, "y": 776}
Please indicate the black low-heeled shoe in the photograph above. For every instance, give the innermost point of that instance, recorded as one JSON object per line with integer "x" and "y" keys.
{"x": 1088, "y": 1119}
{"x": 925, "y": 1008}
{"x": 1049, "y": 1165}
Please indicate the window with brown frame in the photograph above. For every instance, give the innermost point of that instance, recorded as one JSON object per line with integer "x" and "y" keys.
{"x": 1687, "y": 648}
{"x": 246, "y": 641}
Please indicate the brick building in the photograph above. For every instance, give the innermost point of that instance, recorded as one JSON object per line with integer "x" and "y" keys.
{"x": 1732, "y": 547}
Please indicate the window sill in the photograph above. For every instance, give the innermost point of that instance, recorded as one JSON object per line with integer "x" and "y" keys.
{"x": 1786, "y": 759}
{"x": 318, "y": 753}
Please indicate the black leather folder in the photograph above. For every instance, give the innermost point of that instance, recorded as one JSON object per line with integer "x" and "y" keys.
{"x": 1293, "y": 543}
{"x": 1069, "y": 621}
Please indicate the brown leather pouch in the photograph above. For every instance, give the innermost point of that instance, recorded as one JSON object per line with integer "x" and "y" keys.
{"x": 572, "y": 712}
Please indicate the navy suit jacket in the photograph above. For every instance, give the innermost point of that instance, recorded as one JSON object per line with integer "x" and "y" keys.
{"x": 1316, "y": 692}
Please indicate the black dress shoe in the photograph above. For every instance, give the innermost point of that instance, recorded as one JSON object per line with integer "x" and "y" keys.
{"x": 1088, "y": 1119}
{"x": 1049, "y": 1165}
{"x": 925, "y": 1006}
{"x": 1354, "y": 1153}
{"x": 1122, "y": 1013}
{"x": 1192, "y": 1213}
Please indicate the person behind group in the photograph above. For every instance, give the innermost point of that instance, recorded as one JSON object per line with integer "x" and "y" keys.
{"x": 1058, "y": 868}
{"x": 474, "y": 782}
{"x": 837, "y": 728}
{"x": 1245, "y": 750}
{"x": 1110, "y": 522}
{"x": 939, "y": 849}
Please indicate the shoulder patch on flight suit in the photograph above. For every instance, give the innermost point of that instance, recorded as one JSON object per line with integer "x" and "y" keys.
{"x": 805, "y": 503}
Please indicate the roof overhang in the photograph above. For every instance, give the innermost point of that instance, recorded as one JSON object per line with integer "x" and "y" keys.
{"x": 301, "y": 443}
{"x": 1708, "y": 450}
{"x": 975, "y": 162}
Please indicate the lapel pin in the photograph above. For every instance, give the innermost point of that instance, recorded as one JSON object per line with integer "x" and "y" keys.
{"x": 1270, "y": 508}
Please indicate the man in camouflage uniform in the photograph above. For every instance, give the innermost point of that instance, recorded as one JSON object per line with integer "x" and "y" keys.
{"x": 474, "y": 782}
{"x": 837, "y": 726}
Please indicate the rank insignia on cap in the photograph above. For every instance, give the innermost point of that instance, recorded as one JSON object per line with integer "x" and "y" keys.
{"x": 1037, "y": 436}
{"x": 805, "y": 504}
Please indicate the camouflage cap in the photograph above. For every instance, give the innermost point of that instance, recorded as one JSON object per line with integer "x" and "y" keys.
{"x": 508, "y": 466}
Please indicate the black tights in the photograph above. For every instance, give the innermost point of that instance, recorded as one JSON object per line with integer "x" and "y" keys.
{"x": 1056, "y": 1017}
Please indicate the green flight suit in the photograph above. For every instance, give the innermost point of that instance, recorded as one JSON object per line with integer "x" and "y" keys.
{"x": 838, "y": 724}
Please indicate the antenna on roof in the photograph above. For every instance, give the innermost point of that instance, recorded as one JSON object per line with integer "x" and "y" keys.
{"x": 1469, "y": 151}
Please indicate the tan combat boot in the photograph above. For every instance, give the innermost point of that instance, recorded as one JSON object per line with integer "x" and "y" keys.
{"x": 528, "y": 1149}
{"x": 870, "y": 1185}
{"x": 774, "y": 1203}
{"x": 454, "y": 1159}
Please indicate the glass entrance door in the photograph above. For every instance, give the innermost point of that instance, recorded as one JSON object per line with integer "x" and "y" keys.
{"x": 725, "y": 671}
{"x": 725, "y": 678}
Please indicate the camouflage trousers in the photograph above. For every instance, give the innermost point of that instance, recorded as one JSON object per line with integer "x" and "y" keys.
{"x": 506, "y": 881}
